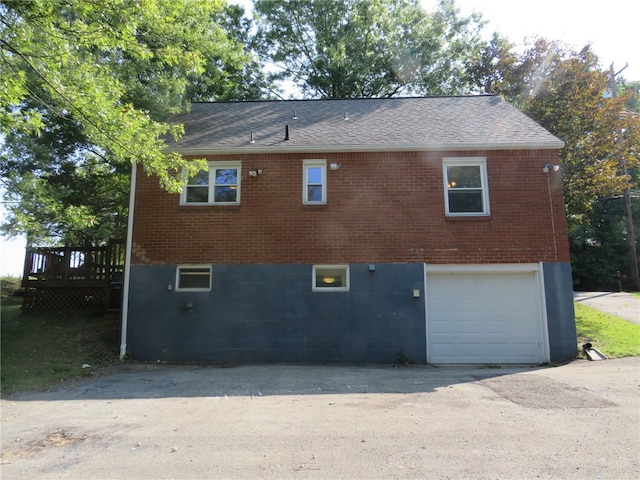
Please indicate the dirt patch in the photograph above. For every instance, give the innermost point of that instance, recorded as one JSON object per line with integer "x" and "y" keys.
{"x": 58, "y": 438}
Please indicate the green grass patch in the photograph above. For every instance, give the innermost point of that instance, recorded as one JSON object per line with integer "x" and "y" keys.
{"x": 612, "y": 335}
{"x": 38, "y": 349}
{"x": 9, "y": 286}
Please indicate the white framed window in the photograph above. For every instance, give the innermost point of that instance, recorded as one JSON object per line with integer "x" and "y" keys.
{"x": 331, "y": 278}
{"x": 465, "y": 186}
{"x": 193, "y": 278}
{"x": 314, "y": 182}
{"x": 218, "y": 186}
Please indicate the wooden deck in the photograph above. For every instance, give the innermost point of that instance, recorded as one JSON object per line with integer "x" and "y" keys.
{"x": 73, "y": 266}
{"x": 74, "y": 278}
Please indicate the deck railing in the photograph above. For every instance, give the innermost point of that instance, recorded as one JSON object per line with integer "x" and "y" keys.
{"x": 74, "y": 266}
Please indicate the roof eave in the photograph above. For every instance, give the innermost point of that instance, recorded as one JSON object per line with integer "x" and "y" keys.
{"x": 251, "y": 149}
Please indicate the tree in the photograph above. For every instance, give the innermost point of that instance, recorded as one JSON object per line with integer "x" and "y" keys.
{"x": 599, "y": 247}
{"x": 61, "y": 189}
{"x": 367, "y": 48}
{"x": 86, "y": 90}
{"x": 631, "y": 91}
{"x": 566, "y": 91}
{"x": 238, "y": 80}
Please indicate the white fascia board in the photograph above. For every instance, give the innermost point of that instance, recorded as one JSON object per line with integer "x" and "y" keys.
{"x": 483, "y": 268}
{"x": 367, "y": 148}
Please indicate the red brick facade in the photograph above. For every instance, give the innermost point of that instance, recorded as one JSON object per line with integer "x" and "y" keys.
{"x": 381, "y": 208}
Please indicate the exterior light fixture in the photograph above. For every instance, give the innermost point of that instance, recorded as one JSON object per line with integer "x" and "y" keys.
{"x": 549, "y": 167}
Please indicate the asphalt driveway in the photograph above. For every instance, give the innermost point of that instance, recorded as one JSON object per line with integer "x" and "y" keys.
{"x": 621, "y": 304}
{"x": 580, "y": 420}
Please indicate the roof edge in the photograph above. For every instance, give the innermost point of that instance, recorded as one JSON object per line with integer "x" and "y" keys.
{"x": 364, "y": 148}
{"x": 301, "y": 100}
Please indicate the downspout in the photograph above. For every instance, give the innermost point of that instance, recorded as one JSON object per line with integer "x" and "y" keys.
{"x": 127, "y": 263}
{"x": 426, "y": 314}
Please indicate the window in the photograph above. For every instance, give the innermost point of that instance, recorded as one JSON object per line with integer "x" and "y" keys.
{"x": 219, "y": 186}
{"x": 193, "y": 278}
{"x": 331, "y": 278}
{"x": 314, "y": 188}
{"x": 465, "y": 184}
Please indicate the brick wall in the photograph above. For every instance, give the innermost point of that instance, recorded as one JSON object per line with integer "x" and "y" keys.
{"x": 381, "y": 207}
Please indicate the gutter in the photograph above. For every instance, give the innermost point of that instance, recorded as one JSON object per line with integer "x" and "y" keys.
{"x": 127, "y": 263}
{"x": 551, "y": 145}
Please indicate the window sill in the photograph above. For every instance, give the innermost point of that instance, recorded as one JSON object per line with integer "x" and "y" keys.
{"x": 467, "y": 218}
{"x": 209, "y": 205}
{"x": 314, "y": 206}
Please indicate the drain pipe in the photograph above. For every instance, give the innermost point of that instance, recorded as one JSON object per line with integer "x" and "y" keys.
{"x": 127, "y": 263}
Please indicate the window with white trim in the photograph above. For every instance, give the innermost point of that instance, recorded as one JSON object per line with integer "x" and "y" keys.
{"x": 218, "y": 186}
{"x": 465, "y": 185}
{"x": 314, "y": 182}
{"x": 193, "y": 278}
{"x": 331, "y": 278}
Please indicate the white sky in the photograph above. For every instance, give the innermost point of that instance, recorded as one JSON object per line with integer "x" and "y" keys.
{"x": 609, "y": 26}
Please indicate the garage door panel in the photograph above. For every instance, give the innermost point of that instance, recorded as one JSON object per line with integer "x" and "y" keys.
{"x": 444, "y": 338}
{"x": 481, "y": 327}
{"x": 483, "y": 318}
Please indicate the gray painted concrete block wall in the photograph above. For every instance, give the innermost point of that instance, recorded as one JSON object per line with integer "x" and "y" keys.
{"x": 561, "y": 320}
{"x": 270, "y": 313}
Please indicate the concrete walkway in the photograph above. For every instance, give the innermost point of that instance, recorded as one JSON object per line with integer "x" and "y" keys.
{"x": 621, "y": 304}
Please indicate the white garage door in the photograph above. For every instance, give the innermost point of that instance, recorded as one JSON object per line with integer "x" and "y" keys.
{"x": 483, "y": 318}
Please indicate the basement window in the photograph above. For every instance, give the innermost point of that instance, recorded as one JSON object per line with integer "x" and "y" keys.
{"x": 193, "y": 278}
{"x": 330, "y": 278}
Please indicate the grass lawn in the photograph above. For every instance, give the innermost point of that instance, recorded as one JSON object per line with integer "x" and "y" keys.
{"x": 38, "y": 349}
{"x": 611, "y": 335}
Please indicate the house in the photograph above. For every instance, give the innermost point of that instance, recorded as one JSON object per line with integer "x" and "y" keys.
{"x": 354, "y": 231}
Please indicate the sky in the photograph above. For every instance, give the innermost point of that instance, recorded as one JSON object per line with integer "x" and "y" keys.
{"x": 608, "y": 26}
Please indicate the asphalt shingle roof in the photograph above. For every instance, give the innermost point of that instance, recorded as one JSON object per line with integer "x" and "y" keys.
{"x": 393, "y": 124}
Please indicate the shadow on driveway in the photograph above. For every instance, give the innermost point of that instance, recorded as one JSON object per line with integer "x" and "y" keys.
{"x": 140, "y": 381}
